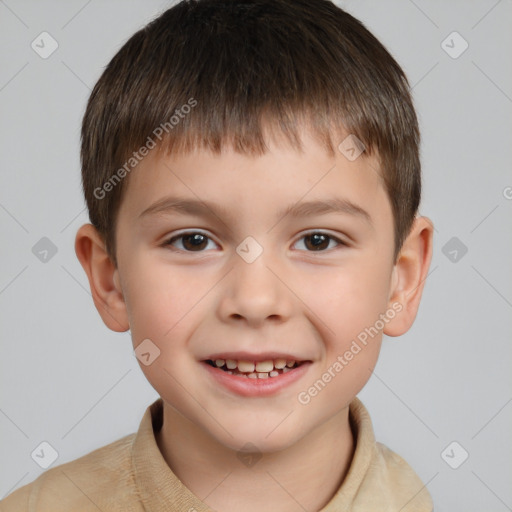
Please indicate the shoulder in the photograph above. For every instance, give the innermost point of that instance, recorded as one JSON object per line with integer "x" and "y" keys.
{"x": 100, "y": 480}
{"x": 394, "y": 477}
{"x": 378, "y": 478}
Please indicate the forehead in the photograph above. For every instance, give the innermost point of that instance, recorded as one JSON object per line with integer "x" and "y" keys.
{"x": 242, "y": 184}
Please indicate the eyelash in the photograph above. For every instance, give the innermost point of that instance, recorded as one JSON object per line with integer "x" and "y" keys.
{"x": 170, "y": 241}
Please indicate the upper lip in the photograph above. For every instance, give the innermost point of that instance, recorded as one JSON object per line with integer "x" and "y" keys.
{"x": 248, "y": 356}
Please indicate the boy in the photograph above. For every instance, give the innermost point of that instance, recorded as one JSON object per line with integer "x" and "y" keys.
{"x": 252, "y": 176}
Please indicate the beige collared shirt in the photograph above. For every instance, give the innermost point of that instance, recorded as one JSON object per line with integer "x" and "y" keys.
{"x": 131, "y": 475}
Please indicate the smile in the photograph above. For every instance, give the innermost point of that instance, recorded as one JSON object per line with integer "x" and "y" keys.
{"x": 255, "y": 378}
{"x": 254, "y": 370}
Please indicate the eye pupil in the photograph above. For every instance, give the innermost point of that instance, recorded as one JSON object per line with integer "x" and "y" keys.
{"x": 198, "y": 241}
{"x": 318, "y": 240}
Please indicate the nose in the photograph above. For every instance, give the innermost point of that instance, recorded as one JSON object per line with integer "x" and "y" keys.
{"x": 255, "y": 293}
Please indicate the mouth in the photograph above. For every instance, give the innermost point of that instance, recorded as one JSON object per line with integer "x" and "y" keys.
{"x": 255, "y": 376}
{"x": 270, "y": 368}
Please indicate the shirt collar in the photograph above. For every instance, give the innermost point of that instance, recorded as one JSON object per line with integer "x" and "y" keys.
{"x": 161, "y": 490}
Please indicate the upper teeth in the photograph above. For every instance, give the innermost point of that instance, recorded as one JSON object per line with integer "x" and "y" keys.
{"x": 250, "y": 366}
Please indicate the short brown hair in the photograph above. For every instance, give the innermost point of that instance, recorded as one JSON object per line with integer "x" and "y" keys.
{"x": 245, "y": 63}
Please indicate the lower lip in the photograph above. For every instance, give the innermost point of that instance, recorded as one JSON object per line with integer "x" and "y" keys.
{"x": 256, "y": 387}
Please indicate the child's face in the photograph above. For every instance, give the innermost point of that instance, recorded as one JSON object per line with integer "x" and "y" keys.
{"x": 198, "y": 299}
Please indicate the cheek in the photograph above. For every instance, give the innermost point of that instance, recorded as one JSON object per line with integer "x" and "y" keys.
{"x": 162, "y": 305}
{"x": 352, "y": 299}
{"x": 157, "y": 298}
{"x": 349, "y": 308}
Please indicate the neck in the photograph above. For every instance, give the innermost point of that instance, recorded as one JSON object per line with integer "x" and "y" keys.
{"x": 304, "y": 476}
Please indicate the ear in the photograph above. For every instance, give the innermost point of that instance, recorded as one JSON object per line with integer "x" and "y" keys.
{"x": 103, "y": 278}
{"x": 409, "y": 274}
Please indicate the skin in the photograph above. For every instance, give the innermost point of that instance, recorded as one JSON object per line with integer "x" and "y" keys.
{"x": 291, "y": 299}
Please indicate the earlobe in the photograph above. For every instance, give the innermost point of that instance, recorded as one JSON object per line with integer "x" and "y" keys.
{"x": 409, "y": 275}
{"x": 103, "y": 278}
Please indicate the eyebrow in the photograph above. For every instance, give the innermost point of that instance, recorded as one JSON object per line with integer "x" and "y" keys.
{"x": 169, "y": 205}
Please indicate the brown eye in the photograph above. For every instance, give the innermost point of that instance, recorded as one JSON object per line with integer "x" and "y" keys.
{"x": 194, "y": 242}
{"x": 190, "y": 242}
{"x": 319, "y": 241}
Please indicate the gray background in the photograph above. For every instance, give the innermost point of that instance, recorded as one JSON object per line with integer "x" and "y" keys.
{"x": 68, "y": 380}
